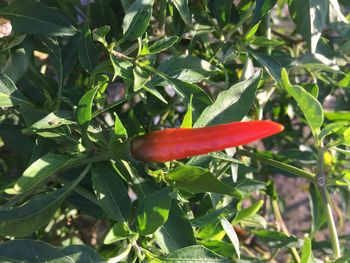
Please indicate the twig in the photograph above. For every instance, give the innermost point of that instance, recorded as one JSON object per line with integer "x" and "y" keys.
{"x": 279, "y": 219}
{"x": 286, "y": 38}
{"x": 321, "y": 182}
{"x": 285, "y": 167}
{"x": 78, "y": 189}
{"x": 108, "y": 107}
{"x": 121, "y": 56}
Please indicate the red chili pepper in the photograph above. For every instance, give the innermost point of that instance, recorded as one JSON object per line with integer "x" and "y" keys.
{"x": 179, "y": 143}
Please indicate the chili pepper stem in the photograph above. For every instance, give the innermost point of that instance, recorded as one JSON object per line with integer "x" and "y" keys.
{"x": 321, "y": 183}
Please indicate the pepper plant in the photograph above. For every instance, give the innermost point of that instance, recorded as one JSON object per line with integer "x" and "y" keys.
{"x": 80, "y": 80}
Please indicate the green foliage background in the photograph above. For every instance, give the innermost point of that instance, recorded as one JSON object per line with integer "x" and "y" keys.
{"x": 79, "y": 79}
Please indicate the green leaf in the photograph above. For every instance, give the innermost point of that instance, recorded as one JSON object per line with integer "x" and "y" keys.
{"x": 195, "y": 253}
{"x": 116, "y": 68}
{"x": 31, "y": 114}
{"x": 345, "y": 82}
{"x": 264, "y": 42}
{"x": 69, "y": 54}
{"x": 25, "y": 250}
{"x": 250, "y": 34}
{"x": 219, "y": 247}
{"x": 254, "y": 221}
{"x": 269, "y": 64}
{"x": 211, "y": 231}
{"x": 338, "y": 115}
{"x": 231, "y": 105}
{"x": 153, "y": 211}
{"x": 312, "y": 88}
{"x": 261, "y": 9}
{"x": 134, "y": 126}
{"x": 19, "y": 60}
{"x": 40, "y": 88}
{"x": 9, "y": 94}
{"x": 230, "y": 54}
{"x": 52, "y": 120}
{"x": 310, "y": 106}
{"x": 85, "y": 104}
{"x": 124, "y": 67}
{"x": 17, "y": 40}
{"x": 344, "y": 48}
{"x": 211, "y": 217}
{"x": 119, "y": 231}
{"x": 187, "y": 90}
{"x": 14, "y": 140}
{"x": 231, "y": 233}
{"x": 126, "y": 4}
{"x": 87, "y": 205}
{"x": 184, "y": 11}
{"x": 87, "y": 52}
{"x": 222, "y": 11}
{"x": 310, "y": 19}
{"x": 99, "y": 34}
{"x": 140, "y": 78}
{"x": 137, "y": 18}
{"x": 36, "y": 213}
{"x": 151, "y": 89}
{"x": 344, "y": 259}
{"x": 276, "y": 239}
{"x": 81, "y": 254}
{"x": 177, "y": 232}
{"x": 101, "y": 13}
{"x": 331, "y": 128}
{"x": 198, "y": 180}
{"x": 246, "y": 212}
{"x": 249, "y": 186}
{"x": 317, "y": 62}
{"x": 187, "y": 121}
{"x": 55, "y": 56}
{"x": 306, "y": 253}
{"x": 33, "y": 17}
{"x": 119, "y": 129}
{"x": 39, "y": 171}
{"x": 187, "y": 68}
{"x": 111, "y": 192}
{"x": 346, "y": 137}
{"x": 162, "y": 44}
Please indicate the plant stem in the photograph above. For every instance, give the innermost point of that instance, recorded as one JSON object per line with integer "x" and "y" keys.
{"x": 327, "y": 202}
{"x": 285, "y": 167}
{"x": 73, "y": 163}
{"x": 279, "y": 219}
{"x": 287, "y": 38}
{"x": 122, "y": 56}
{"x": 92, "y": 159}
{"x": 78, "y": 189}
{"x": 108, "y": 107}
{"x": 268, "y": 30}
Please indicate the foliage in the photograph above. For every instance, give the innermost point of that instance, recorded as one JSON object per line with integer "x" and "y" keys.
{"x": 80, "y": 79}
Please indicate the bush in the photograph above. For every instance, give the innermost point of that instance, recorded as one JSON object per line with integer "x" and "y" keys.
{"x": 81, "y": 79}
